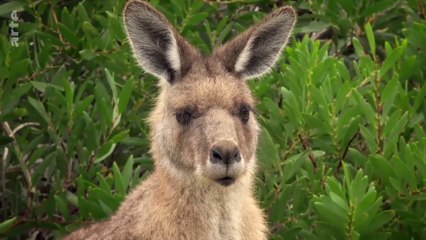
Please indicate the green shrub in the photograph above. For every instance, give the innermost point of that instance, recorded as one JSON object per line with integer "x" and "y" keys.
{"x": 343, "y": 144}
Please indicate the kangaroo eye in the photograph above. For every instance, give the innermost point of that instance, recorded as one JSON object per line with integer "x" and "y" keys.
{"x": 184, "y": 116}
{"x": 244, "y": 113}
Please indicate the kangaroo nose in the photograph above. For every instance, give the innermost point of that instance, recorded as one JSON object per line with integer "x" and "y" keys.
{"x": 225, "y": 152}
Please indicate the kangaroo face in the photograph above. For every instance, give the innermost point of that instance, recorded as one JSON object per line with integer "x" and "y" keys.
{"x": 203, "y": 123}
{"x": 212, "y": 127}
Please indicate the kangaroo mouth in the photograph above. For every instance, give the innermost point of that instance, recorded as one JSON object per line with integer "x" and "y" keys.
{"x": 226, "y": 181}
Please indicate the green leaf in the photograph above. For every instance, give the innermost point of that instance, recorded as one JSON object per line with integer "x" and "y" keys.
{"x": 7, "y": 8}
{"x": 359, "y": 50}
{"x": 370, "y": 37}
{"x": 69, "y": 95}
{"x": 334, "y": 186}
{"x": 61, "y": 206}
{"x": 390, "y": 61}
{"x": 361, "y": 216}
{"x": 347, "y": 176}
{"x": 396, "y": 184}
{"x": 339, "y": 201}
{"x": 87, "y": 54}
{"x": 111, "y": 82}
{"x": 369, "y": 137}
{"x": 68, "y": 34}
{"x": 365, "y": 108}
{"x": 350, "y": 131}
{"x": 116, "y": 26}
{"x": 267, "y": 151}
{"x": 67, "y": 18}
{"x": 119, "y": 136}
{"x": 368, "y": 200}
{"x": 104, "y": 151}
{"x": 291, "y": 106}
{"x": 82, "y": 106}
{"x": 103, "y": 103}
{"x": 380, "y": 219}
{"x": 103, "y": 183}
{"x": 11, "y": 100}
{"x": 91, "y": 133}
{"x": 105, "y": 208}
{"x": 196, "y": 18}
{"x": 118, "y": 180}
{"x": 105, "y": 197}
{"x": 71, "y": 198}
{"x": 404, "y": 172}
{"x": 399, "y": 126}
{"x": 124, "y": 97}
{"x": 389, "y": 93}
{"x": 396, "y": 125}
{"x": 127, "y": 172}
{"x": 357, "y": 188}
{"x": 20, "y": 69}
{"x": 348, "y": 5}
{"x": 293, "y": 164}
{"x": 420, "y": 96}
{"x": 82, "y": 13}
{"x": 8, "y": 224}
{"x": 313, "y": 26}
{"x": 88, "y": 208}
{"x": 41, "y": 86}
{"x": 331, "y": 212}
{"x": 382, "y": 167}
{"x": 38, "y": 106}
{"x": 89, "y": 29}
{"x": 377, "y": 7}
{"x": 223, "y": 34}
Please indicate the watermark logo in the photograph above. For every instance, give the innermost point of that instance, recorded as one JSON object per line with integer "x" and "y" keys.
{"x": 13, "y": 25}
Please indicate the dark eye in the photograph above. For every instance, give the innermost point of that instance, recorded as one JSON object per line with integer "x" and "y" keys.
{"x": 184, "y": 116}
{"x": 244, "y": 113}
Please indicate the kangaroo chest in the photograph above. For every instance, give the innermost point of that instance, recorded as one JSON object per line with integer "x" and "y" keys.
{"x": 213, "y": 219}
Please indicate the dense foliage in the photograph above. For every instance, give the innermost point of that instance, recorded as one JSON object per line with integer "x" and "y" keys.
{"x": 343, "y": 144}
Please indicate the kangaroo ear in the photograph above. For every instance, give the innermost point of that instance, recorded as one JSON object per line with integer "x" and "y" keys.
{"x": 254, "y": 52}
{"x": 157, "y": 47}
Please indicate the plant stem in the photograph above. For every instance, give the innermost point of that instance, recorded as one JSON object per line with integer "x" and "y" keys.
{"x": 350, "y": 228}
{"x": 19, "y": 156}
{"x": 307, "y": 147}
{"x": 379, "y": 107}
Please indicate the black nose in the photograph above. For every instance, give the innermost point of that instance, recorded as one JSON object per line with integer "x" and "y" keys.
{"x": 225, "y": 152}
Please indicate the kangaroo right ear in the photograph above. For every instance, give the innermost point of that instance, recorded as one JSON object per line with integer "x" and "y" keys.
{"x": 156, "y": 46}
{"x": 254, "y": 52}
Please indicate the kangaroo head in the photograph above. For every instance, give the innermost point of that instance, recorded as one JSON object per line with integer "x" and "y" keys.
{"x": 203, "y": 123}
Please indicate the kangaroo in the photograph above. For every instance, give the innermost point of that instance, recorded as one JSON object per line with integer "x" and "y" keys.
{"x": 203, "y": 133}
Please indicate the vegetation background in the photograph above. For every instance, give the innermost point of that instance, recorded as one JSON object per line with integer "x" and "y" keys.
{"x": 343, "y": 143}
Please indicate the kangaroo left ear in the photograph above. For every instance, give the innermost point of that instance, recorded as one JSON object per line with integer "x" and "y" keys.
{"x": 254, "y": 52}
{"x": 158, "y": 48}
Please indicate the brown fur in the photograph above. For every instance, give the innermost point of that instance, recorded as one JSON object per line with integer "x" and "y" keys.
{"x": 182, "y": 198}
